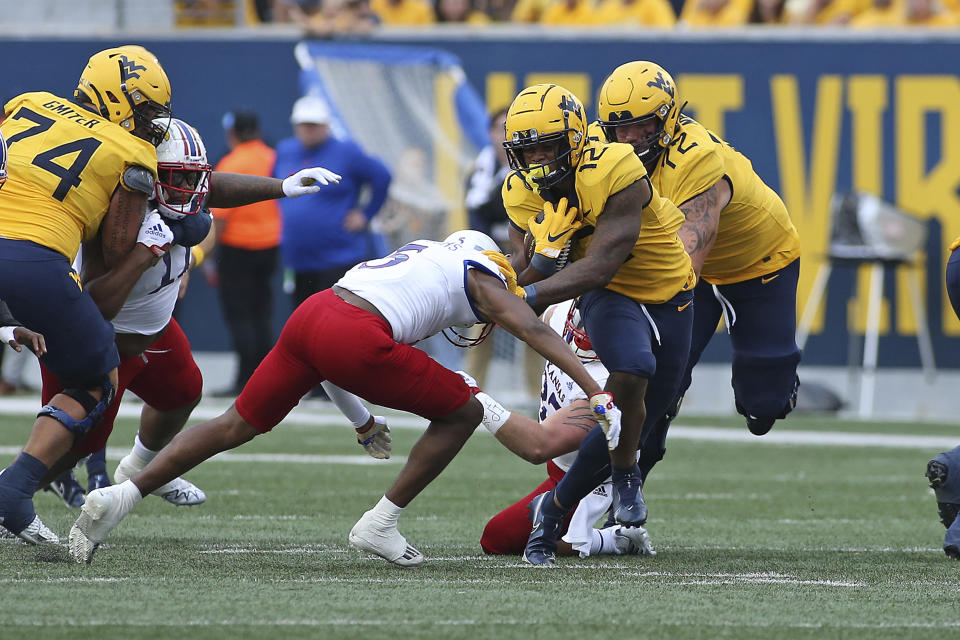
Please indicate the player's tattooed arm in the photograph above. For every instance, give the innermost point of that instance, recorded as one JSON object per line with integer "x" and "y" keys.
{"x": 235, "y": 190}
{"x": 702, "y": 212}
{"x": 613, "y": 239}
{"x": 559, "y": 434}
{"x": 121, "y": 224}
{"x": 110, "y": 286}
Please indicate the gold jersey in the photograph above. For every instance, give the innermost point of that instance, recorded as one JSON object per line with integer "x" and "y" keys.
{"x": 65, "y": 163}
{"x": 658, "y": 267}
{"x": 755, "y": 234}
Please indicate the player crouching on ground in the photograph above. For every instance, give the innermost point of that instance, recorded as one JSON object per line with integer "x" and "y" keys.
{"x": 357, "y": 335}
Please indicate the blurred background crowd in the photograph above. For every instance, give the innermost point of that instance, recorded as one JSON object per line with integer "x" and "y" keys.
{"x": 326, "y": 18}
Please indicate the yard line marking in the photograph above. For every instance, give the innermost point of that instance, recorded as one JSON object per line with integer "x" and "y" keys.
{"x": 116, "y": 453}
{"x": 428, "y": 622}
{"x": 312, "y": 415}
{"x": 78, "y": 580}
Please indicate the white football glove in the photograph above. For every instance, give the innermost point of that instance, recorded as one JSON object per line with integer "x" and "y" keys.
{"x": 155, "y": 234}
{"x": 308, "y": 180}
{"x": 608, "y": 415}
{"x": 375, "y": 438}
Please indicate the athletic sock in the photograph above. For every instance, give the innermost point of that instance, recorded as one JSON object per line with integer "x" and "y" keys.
{"x": 590, "y": 469}
{"x": 385, "y": 513}
{"x": 142, "y": 452}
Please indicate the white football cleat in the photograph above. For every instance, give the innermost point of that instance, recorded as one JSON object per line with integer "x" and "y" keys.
{"x": 633, "y": 541}
{"x": 387, "y": 543}
{"x": 35, "y": 533}
{"x": 100, "y": 514}
{"x": 178, "y": 491}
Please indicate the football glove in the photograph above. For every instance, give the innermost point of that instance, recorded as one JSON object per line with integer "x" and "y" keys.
{"x": 155, "y": 234}
{"x": 308, "y": 181}
{"x": 556, "y": 229}
{"x": 375, "y": 438}
{"x": 608, "y": 415}
{"x": 506, "y": 269}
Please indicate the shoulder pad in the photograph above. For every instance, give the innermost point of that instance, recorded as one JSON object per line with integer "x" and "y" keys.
{"x": 137, "y": 178}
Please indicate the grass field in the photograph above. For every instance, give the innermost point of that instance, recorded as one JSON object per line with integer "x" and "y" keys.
{"x": 757, "y": 538}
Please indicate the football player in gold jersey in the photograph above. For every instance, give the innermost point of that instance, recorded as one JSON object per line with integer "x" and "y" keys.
{"x": 81, "y": 171}
{"x": 629, "y": 268}
{"x": 737, "y": 230}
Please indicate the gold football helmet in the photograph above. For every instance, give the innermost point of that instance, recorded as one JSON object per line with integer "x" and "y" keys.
{"x": 128, "y": 86}
{"x": 637, "y": 93}
{"x": 545, "y": 114}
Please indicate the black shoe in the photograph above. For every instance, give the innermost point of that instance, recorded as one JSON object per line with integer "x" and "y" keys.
{"x": 69, "y": 490}
{"x": 541, "y": 547}
{"x": 629, "y": 509}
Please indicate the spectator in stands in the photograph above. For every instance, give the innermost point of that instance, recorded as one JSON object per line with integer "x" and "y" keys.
{"x": 823, "y": 12}
{"x": 460, "y": 11}
{"x": 326, "y": 233}
{"x": 496, "y": 10}
{"x": 905, "y": 13}
{"x": 715, "y": 13}
{"x": 338, "y": 17}
{"x": 528, "y": 10}
{"x": 568, "y": 13}
{"x": 403, "y": 12}
{"x": 247, "y": 238}
{"x": 650, "y": 13}
{"x": 767, "y": 12}
{"x": 299, "y": 11}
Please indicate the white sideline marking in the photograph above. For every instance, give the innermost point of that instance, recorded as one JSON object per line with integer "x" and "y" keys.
{"x": 78, "y": 580}
{"x": 307, "y": 415}
{"x": 116, "y": 453}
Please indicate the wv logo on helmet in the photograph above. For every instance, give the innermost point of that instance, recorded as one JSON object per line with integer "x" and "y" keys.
{"x": 661, "y": 83}
{"x": 129, "y": 68}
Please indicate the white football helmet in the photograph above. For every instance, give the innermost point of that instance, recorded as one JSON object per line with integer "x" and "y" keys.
{"x": 473, "y": 239}
{"x": 183, "y": 172}
{"x": 3, "y": 160}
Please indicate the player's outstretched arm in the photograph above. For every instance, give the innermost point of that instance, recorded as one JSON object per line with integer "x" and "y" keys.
{"x": 539, "y": 442}
{"x": 229, "y": 190}
{"x": 702, "y": 212}
{"x": 496, "y": 304}
{"x": 615, "y": 235}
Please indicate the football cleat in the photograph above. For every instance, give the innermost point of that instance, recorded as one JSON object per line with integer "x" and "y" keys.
{"x": 541, "y": 546}
{"x": 35, "y": 533}
{"x": 760, "y": 426}
{"x": 178, "y": 491}
{"x": 69, "y": 490}
{"x": 385, "y": 542}
{"x": 633, "y": 541}
{"x": 629, "y": 509}
{"x": 98, "y": 480}
{"x": 101, "y": 513}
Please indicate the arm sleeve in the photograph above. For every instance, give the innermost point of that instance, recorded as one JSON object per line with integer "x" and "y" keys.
{"x": 348, "y": 404}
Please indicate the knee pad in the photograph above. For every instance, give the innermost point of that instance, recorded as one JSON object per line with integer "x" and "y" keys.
{"x": 766, "y": 388}
{"x": 93, "y": 407}
{"x": 943, "y": 472}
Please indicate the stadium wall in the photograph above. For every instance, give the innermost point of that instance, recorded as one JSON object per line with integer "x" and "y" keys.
{"x": 817, "y": 112}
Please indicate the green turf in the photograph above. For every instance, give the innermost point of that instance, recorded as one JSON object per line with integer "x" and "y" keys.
{"x": 755, "y": 540}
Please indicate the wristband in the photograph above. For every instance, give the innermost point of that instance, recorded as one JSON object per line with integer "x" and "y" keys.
{"x": 198, "y": 255}
{"x": 530, "y": 294}
{"x": 6, "y": 335}
{"x": 543, "y": 264}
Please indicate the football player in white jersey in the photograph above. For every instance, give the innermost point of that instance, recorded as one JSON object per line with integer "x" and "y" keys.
{"x": 357, "y": 335}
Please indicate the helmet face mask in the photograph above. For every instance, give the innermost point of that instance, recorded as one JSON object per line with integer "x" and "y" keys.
{"x": 575, "y": 335}
{"x": 128, "y": 86}
{"x": 183, "y": 173}
{"x": 545, "y": 133}
{"x": 639, "y": 94}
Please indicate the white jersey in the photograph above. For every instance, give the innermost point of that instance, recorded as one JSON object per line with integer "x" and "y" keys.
{"x": 559, "y": 389}
{"x": 421, "y": 288}
{"x": 149, "y": 306}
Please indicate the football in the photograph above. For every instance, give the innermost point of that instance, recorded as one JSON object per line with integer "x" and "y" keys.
{"x": 529, "y": 242}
